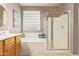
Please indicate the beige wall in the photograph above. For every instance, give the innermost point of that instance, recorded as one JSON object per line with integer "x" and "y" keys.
{"x": 1, "y": 16}
{"x": 78, "y": 29}
{"x": 75, "y": 29}
{"x": 43, "y": 10}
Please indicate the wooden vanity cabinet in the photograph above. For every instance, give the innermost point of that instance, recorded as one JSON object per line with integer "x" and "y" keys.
{"x": 10, "y": 46}
{"x": 9, "y": 49}
{"x": 1, "y": 48}
{"x": 18, "y": 45}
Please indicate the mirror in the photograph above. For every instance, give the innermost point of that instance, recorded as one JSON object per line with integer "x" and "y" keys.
{"x": 3, "y": 19}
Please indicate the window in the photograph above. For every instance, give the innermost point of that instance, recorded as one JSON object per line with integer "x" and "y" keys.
{"x": 16, "y": 20}
{"x": 31, "y": 21}
{"x": 5, "y": 18}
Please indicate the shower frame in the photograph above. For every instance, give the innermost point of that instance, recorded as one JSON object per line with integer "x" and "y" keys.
{"x": 52, "y": 47}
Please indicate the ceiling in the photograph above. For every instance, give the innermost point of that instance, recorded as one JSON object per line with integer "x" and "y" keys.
{"x": 40, "y": 4}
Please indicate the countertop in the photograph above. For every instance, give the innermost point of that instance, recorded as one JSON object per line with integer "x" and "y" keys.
{"x": 3, "y": 37}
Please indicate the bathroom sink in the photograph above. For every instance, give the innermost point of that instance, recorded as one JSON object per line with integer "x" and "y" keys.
{"x": 4, "y": 33}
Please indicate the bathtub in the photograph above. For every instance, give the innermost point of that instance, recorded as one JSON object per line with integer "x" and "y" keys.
{"x": 33, "y": 37}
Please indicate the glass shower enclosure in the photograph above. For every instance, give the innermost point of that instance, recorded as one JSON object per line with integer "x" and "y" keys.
{"x": 58, "y": 31}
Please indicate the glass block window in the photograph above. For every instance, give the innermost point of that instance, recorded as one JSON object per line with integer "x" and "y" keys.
{"x": 31, "y": 21}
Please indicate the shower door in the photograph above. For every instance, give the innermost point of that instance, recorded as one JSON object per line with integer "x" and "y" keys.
{"x": 58, "y": 32}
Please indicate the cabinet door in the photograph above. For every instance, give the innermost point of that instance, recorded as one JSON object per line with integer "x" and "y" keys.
{"x": 9, "y": 41}
{"x": 10, "y": 47}
{"x": 1, "y": 48}
{"x": 10, "y": 50}
{"x": 18, "y": 45}
{"x": 7, "y": 51}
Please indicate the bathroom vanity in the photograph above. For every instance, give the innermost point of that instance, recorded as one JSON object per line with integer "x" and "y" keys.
{"x": 10, "y": 44}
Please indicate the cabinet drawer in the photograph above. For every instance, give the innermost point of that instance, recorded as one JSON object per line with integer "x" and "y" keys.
{"x": 9, "y": 41}
{"x": 12, "y": 44}
{"x": 10, "y": 50}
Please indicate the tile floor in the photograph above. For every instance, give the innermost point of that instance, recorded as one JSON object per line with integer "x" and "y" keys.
{"x": 40, "y": 49}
